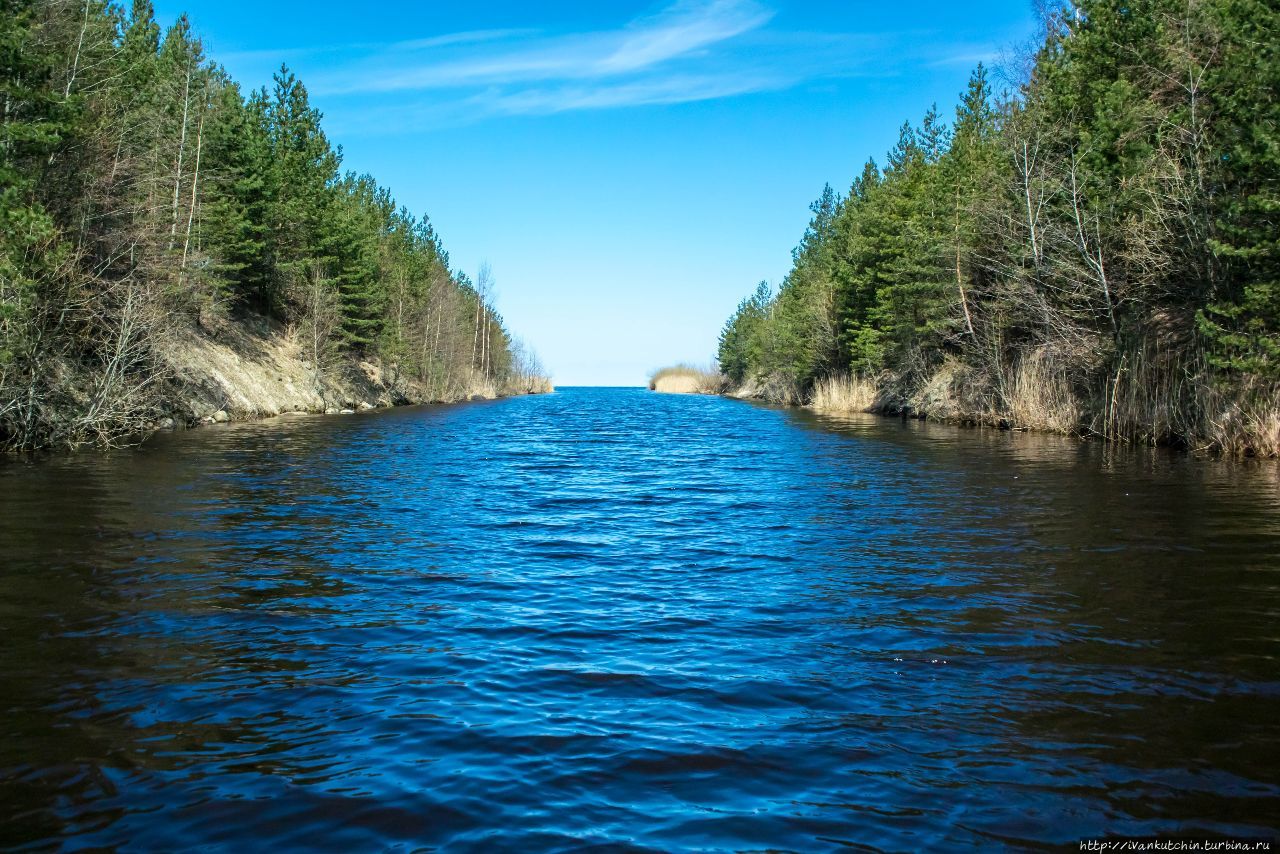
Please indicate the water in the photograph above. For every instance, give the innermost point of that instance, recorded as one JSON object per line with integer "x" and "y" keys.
{"x": 616, "y": 620}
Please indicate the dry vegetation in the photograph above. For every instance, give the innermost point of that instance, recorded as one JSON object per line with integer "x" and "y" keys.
{"x": 845, "y": 394}
{"x": 687, "y": 379}
{"x": 1152, "y": 403}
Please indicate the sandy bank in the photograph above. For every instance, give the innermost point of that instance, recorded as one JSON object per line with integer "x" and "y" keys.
{"x": 255, "y": 369}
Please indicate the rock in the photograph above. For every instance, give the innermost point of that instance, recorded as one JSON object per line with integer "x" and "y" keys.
{"x": 365, "y": 406}
{"x": 166, "y": 424}
{"x": 221, "y": 416}
{"x": 331, "y": 411}
{"x": 347, "y": 412}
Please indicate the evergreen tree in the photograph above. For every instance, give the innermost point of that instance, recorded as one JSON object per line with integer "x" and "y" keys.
{"x": 361, "y": 226}
{"x": 237, "y": 203}
{"x": 304, "y": 171}
{"x": 33, "y": 120}
{"x": 1243, "y": 321}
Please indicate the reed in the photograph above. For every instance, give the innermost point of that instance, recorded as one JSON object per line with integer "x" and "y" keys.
{"x": 688, "y": 379}
{"x": 523, "y": 384}
{"x": 1038, "y": 395}
{"x": 845, "y": 394}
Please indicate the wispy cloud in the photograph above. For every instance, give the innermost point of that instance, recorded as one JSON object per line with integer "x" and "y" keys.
{"x": 681, "y": 29}
{"x": 642, "y": 46}
{"x": 470, "y": 37}
{"x": 968, "y": 56}
{"x": 663, "y": 90}
{"x": 693, "y": 50}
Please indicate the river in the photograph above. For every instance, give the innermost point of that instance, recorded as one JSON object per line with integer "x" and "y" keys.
{"x": 613, "y": 619}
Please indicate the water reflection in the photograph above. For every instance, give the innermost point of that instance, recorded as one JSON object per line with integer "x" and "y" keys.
{"x": 613, "y": 618}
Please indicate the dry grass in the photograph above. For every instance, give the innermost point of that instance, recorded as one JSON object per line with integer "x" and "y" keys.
{"x": 1153, "y": 396}
{"x": 528, "y": 385}
{"x": 1245, "y": 422}
{"x": 687, "y": 379}
{"x": 1160, "y": 396}
{"x": 845, "y": 394}
{"x": 770, "y": 389}
{"x": 1038, "y": 395}
{"x": 480, "y": 386}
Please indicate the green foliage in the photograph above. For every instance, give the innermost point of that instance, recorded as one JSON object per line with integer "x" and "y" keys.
{"x": 33, "y": 120}
{"x": 237, "y": 197}
{"x": 361, "y": 227}
{"x": 742, "y": 346}
{"x": 1243, "y": 320}
{"x": 302, "y": 174}
{"x": 140, "y": 190}
{"x": 1124, "y": 202}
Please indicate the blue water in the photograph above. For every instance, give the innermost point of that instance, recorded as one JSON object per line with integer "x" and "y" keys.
{"x": 614, "y": 620}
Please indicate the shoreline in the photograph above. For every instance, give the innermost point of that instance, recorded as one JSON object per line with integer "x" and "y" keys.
{"x": 852, "y": 397}
{"x": 254, "y": 369}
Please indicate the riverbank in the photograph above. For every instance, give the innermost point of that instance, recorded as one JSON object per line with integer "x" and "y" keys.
{"x": 1096, "y": 256}
{"x": 245, "y": 369}
{"x": 1196, "y": 416}
{"x": 258, "y": 369}
{"x": 174, "y": 253}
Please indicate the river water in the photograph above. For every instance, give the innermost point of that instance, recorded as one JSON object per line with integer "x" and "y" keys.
{"x": 618, "y": 620}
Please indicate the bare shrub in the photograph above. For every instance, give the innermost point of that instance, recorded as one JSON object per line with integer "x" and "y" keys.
{"x": 125, "y": 325}
{"x": 526, "y": 374}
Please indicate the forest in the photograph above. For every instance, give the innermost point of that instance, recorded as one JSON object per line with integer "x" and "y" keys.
{"x": 1089, "y": 246}
{"x": 146, "y": 202}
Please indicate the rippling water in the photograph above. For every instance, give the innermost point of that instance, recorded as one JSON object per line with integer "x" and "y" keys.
{"x": 617, "y": 620}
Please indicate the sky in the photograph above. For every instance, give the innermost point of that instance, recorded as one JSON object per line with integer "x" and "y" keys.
{"x": 628, "y": 170}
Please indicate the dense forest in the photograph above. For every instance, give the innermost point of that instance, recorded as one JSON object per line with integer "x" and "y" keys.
{"x": 1092, "y": 249}
{"x": 146, "y": 202}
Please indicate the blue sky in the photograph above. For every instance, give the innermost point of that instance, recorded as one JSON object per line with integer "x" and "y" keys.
{"x": 629, "y": 170}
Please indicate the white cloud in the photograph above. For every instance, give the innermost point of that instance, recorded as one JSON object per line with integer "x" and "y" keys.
{"x": 665, "y": 90}
{"x": 641, "y": 46}
{"x": 681, "y": 29}
{"x": 692, "y": 50}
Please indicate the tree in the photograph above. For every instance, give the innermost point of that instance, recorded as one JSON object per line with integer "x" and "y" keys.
{"x": 237, "y": 200}
{"x": 1242, "y": 322}
{"x": 304, "y": 170}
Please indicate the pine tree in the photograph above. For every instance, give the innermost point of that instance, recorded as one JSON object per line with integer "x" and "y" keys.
{"x": 856, "y": 260}
{"x": 969, "y": 171}
{"x": 741, "y": 354}
{"x": 806, "y": 333}
{"x": 362, "y": 223}
{"x": 1243, "y": 323}
{"x": 237, "y": 200}
{"x": 302, "y": 179}
{"x": 34, "y": 120}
